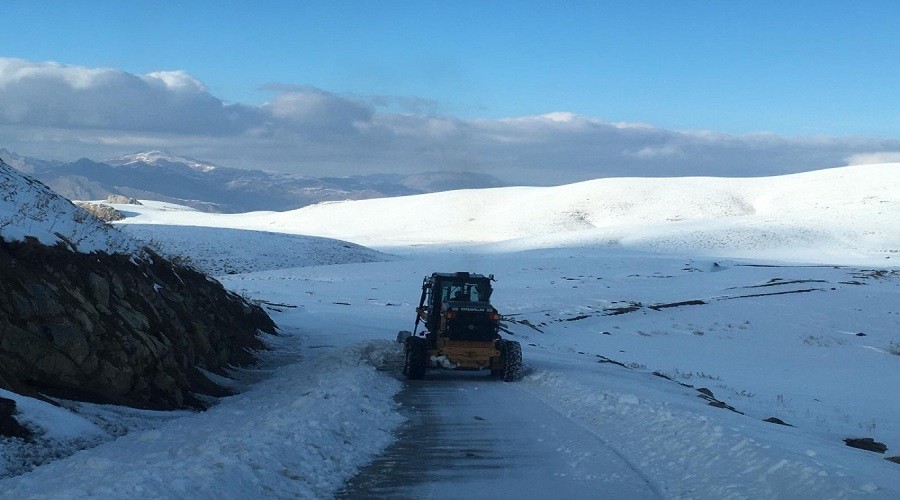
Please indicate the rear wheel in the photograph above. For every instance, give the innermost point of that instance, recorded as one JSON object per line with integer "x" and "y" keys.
{"x": 416, "y": 358}
{"x": 512, "y": 361}
{"x": 497, "y": 363}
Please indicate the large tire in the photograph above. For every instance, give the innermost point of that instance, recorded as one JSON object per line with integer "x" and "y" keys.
{"x": 416, "y": 358}
{"x": 512, "y": 360}
{"x": 501, "y": 346}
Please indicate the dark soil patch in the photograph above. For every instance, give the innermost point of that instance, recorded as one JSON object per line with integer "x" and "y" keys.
{"x": 615, "y": 311}
{"x": 752, "y": 295}
{"x": 867, "y": 444}
{"x": 779, "y": 282}
{"x": 604, "y": 359}
{"x": 657, "y": 307}
{"x": 776, "y": 420}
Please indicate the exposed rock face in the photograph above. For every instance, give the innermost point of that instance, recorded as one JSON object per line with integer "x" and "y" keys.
{"x": 103, "y": 212}
{"x": 9, "y": 426}
{"x": 122, "y": 200}
{"x": 115, "y": 329}
{"x": 86, "y": 312}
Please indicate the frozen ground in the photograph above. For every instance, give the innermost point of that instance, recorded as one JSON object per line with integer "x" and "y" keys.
{"x": 618, "y": 342}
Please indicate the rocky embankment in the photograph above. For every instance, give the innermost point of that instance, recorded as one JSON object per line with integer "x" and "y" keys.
{"x": 115, "y": 329}
{"x": 87, "y": 313}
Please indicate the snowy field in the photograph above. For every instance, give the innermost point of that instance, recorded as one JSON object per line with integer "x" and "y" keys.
{"x": 667, "y": 318}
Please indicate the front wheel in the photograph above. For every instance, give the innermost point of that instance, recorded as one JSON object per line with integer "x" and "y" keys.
{"x": 416, "y": 361}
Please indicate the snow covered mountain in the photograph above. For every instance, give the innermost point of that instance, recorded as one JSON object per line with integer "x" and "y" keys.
{"x": 163, "y": 176}
{"x": 848, "y": 213}
{"x": 161, "y": 159}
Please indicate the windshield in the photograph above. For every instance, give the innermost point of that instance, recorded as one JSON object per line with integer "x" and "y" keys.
{"x": 466, "y": 292}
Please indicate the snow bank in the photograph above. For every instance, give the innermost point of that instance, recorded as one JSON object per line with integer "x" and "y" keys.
{"x": 300, "y": 433}
{"x": 698, "y": 455}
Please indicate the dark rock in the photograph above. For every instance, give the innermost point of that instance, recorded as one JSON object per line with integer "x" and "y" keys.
{"x": 705, "y": 392}
{"x": 896, "y": 460}
{"x": 776, "y": 420}
{"x": 103, "y": 212}
{"x": 604, "y": 359}
{"x": 721, "y": 404}
{"x": 712, "y": 401}
{"x": 118, "y": 330}
{"x": 122, "y": 200}
{"x": 9, "y": 426}
{"x": 867, "y": 444}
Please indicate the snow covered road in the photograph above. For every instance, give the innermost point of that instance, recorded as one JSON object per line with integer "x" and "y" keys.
{"x": 472, "y": 436}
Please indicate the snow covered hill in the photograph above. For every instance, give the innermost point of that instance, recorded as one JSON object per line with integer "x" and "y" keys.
{"x": 28, "y": 209}
{"x": 851, "y": 214}
{"x": 220, "y": 250}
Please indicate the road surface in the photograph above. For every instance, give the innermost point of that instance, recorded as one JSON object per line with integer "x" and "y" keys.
{"x": 472, "y": 436}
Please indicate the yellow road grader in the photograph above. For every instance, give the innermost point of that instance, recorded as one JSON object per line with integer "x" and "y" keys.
{"x": 461, "y": 329}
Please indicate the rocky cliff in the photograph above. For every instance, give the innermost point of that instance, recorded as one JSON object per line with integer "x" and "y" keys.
{"x": 108, "y": 325}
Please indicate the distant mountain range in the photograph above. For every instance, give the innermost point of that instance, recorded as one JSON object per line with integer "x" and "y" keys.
{"x": 163, "y": 176}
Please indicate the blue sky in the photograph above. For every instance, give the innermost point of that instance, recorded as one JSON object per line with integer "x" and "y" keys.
{"x": 794, "y": 69}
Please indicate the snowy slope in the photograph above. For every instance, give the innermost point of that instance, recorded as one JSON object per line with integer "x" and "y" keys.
{"x": 218, "y": 251}
{"x": 850, "y": 213}
{"x": 30, "y": 209}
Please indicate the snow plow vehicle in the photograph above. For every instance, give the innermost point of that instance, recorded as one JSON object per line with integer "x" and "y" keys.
{"x": 461, "y": 329}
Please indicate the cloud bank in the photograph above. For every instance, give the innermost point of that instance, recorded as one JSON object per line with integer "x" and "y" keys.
{"x": 49, "y": 109}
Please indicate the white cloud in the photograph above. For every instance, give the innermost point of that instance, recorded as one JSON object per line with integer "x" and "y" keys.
{"x": 177, "y": 80}
{"x": 72, "y": 97}
{"x": 318, "y": 109}
{"x": 654, "y": 152}
{"x": 54, "y": 110}
{"x": 872, "y": 158}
